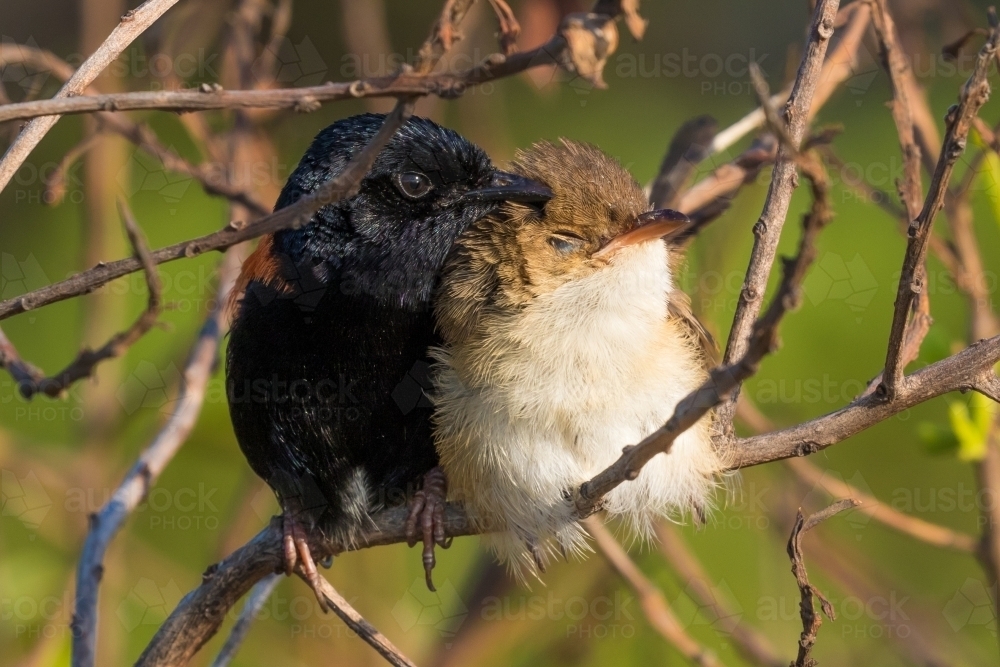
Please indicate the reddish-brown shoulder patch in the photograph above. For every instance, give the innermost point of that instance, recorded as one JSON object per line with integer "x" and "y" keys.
{"x": 263, "y": 266}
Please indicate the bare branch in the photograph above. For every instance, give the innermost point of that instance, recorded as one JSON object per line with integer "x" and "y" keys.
{"x": 106, "y": 523}
{"x": 811, "y": 621}
{"x": 911, "y": 281}
{"x": 133, "y": 23}
{"x": 342, "y": 186}
{"x": 767, "y": 231}
{"x": 960, "y": 372}
{"x": 85, "y": 362}
{"x": 688, "y": 148}
{"x": 654, "y": 605}
{"x": 355, "y": 621}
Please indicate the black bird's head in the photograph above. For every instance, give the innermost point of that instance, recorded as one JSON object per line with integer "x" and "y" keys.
{"x": 390, "y": 240}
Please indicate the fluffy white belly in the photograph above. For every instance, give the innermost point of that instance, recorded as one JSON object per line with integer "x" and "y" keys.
{"x": 575, "y": 380}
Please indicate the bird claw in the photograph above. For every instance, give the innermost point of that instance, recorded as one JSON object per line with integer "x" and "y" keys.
{"x": 427, "y": 508}
{"x": 298, "y": 554}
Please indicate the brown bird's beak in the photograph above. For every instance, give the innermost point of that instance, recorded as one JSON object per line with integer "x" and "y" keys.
{"x": 658, "y": 224}
{"x": 504, "y": 186}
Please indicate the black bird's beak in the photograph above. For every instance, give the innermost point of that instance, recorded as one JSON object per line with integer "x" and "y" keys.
{"x": 504, "y": 186}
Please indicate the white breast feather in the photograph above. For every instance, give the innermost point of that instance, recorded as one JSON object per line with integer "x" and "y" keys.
{"x": 576, "y": 376}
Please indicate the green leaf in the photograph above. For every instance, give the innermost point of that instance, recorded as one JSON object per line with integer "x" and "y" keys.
{"x": 971, "y": 425}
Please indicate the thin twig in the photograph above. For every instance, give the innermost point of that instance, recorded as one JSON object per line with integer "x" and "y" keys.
{"x": 923, "y": 531}
{"x": 767, "y": 231}
{"x": 356, "y": 622}
{"x": 654, "y": 605}
{"x": 811, "y": 621}
{"x": 255, "y": 602}
{"x": 133, "y": 23}
{"x": 810, "y": 474}
{"x": 342, "y": 186}
{"x": 959, "y": 121}
{"x": 87, "y": 360}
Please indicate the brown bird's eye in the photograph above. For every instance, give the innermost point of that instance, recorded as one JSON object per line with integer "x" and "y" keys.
{"x": 413, "y": 184}
{"x": 565, "y": 244}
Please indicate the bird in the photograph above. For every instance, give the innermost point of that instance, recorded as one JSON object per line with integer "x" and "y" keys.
{"x": 566, "y": 338}
{"x": 327, "y": 360}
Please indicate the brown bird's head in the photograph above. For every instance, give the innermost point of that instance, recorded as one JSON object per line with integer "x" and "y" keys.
{"x": 597, "y": 222}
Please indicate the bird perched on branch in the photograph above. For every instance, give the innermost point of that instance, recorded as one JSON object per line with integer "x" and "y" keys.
{"x": 327, "y": 361}
{"x": 567, "y": 340}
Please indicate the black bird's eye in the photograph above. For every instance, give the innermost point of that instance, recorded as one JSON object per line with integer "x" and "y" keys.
{"x": 564, "y": 244}
{"x": 413, "y": 184}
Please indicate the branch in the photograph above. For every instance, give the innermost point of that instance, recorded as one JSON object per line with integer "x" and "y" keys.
{"x": 133, "y": 23}
{"x": 138, "y": 134}
{"x": 722, "y": 381}
{"x": 201, "y": 612}
{"x": 409, "y": 82}
{"x": 767, "y": 231}
{"x": 342, "y": 186}
{"x": 86, "y": 361}
{"x": 811, "y": 621}
{"x": 106, "y": 523}
{"x": 911, "y": 282}
{"x": 689, "y": 146}
{"x": 959, "y": 372}
{"x": 654, "y": 605}
{"x": 355, "y": 621}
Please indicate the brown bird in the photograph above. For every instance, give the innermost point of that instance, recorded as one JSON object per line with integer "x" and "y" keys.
{"x": 566, "y": 339}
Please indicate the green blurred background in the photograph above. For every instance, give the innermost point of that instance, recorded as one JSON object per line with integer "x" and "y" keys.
{"x": 61, "y": 459}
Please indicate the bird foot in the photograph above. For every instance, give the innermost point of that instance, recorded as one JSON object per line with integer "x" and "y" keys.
{"x": 427, "y": 509}
{"x": 297, "y": 554}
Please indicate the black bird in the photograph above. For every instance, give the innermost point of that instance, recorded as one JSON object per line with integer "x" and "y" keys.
{"x": 327, "y": 360}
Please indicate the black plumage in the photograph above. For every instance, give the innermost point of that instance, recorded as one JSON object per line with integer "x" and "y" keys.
{"x": 327, "y": 358}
